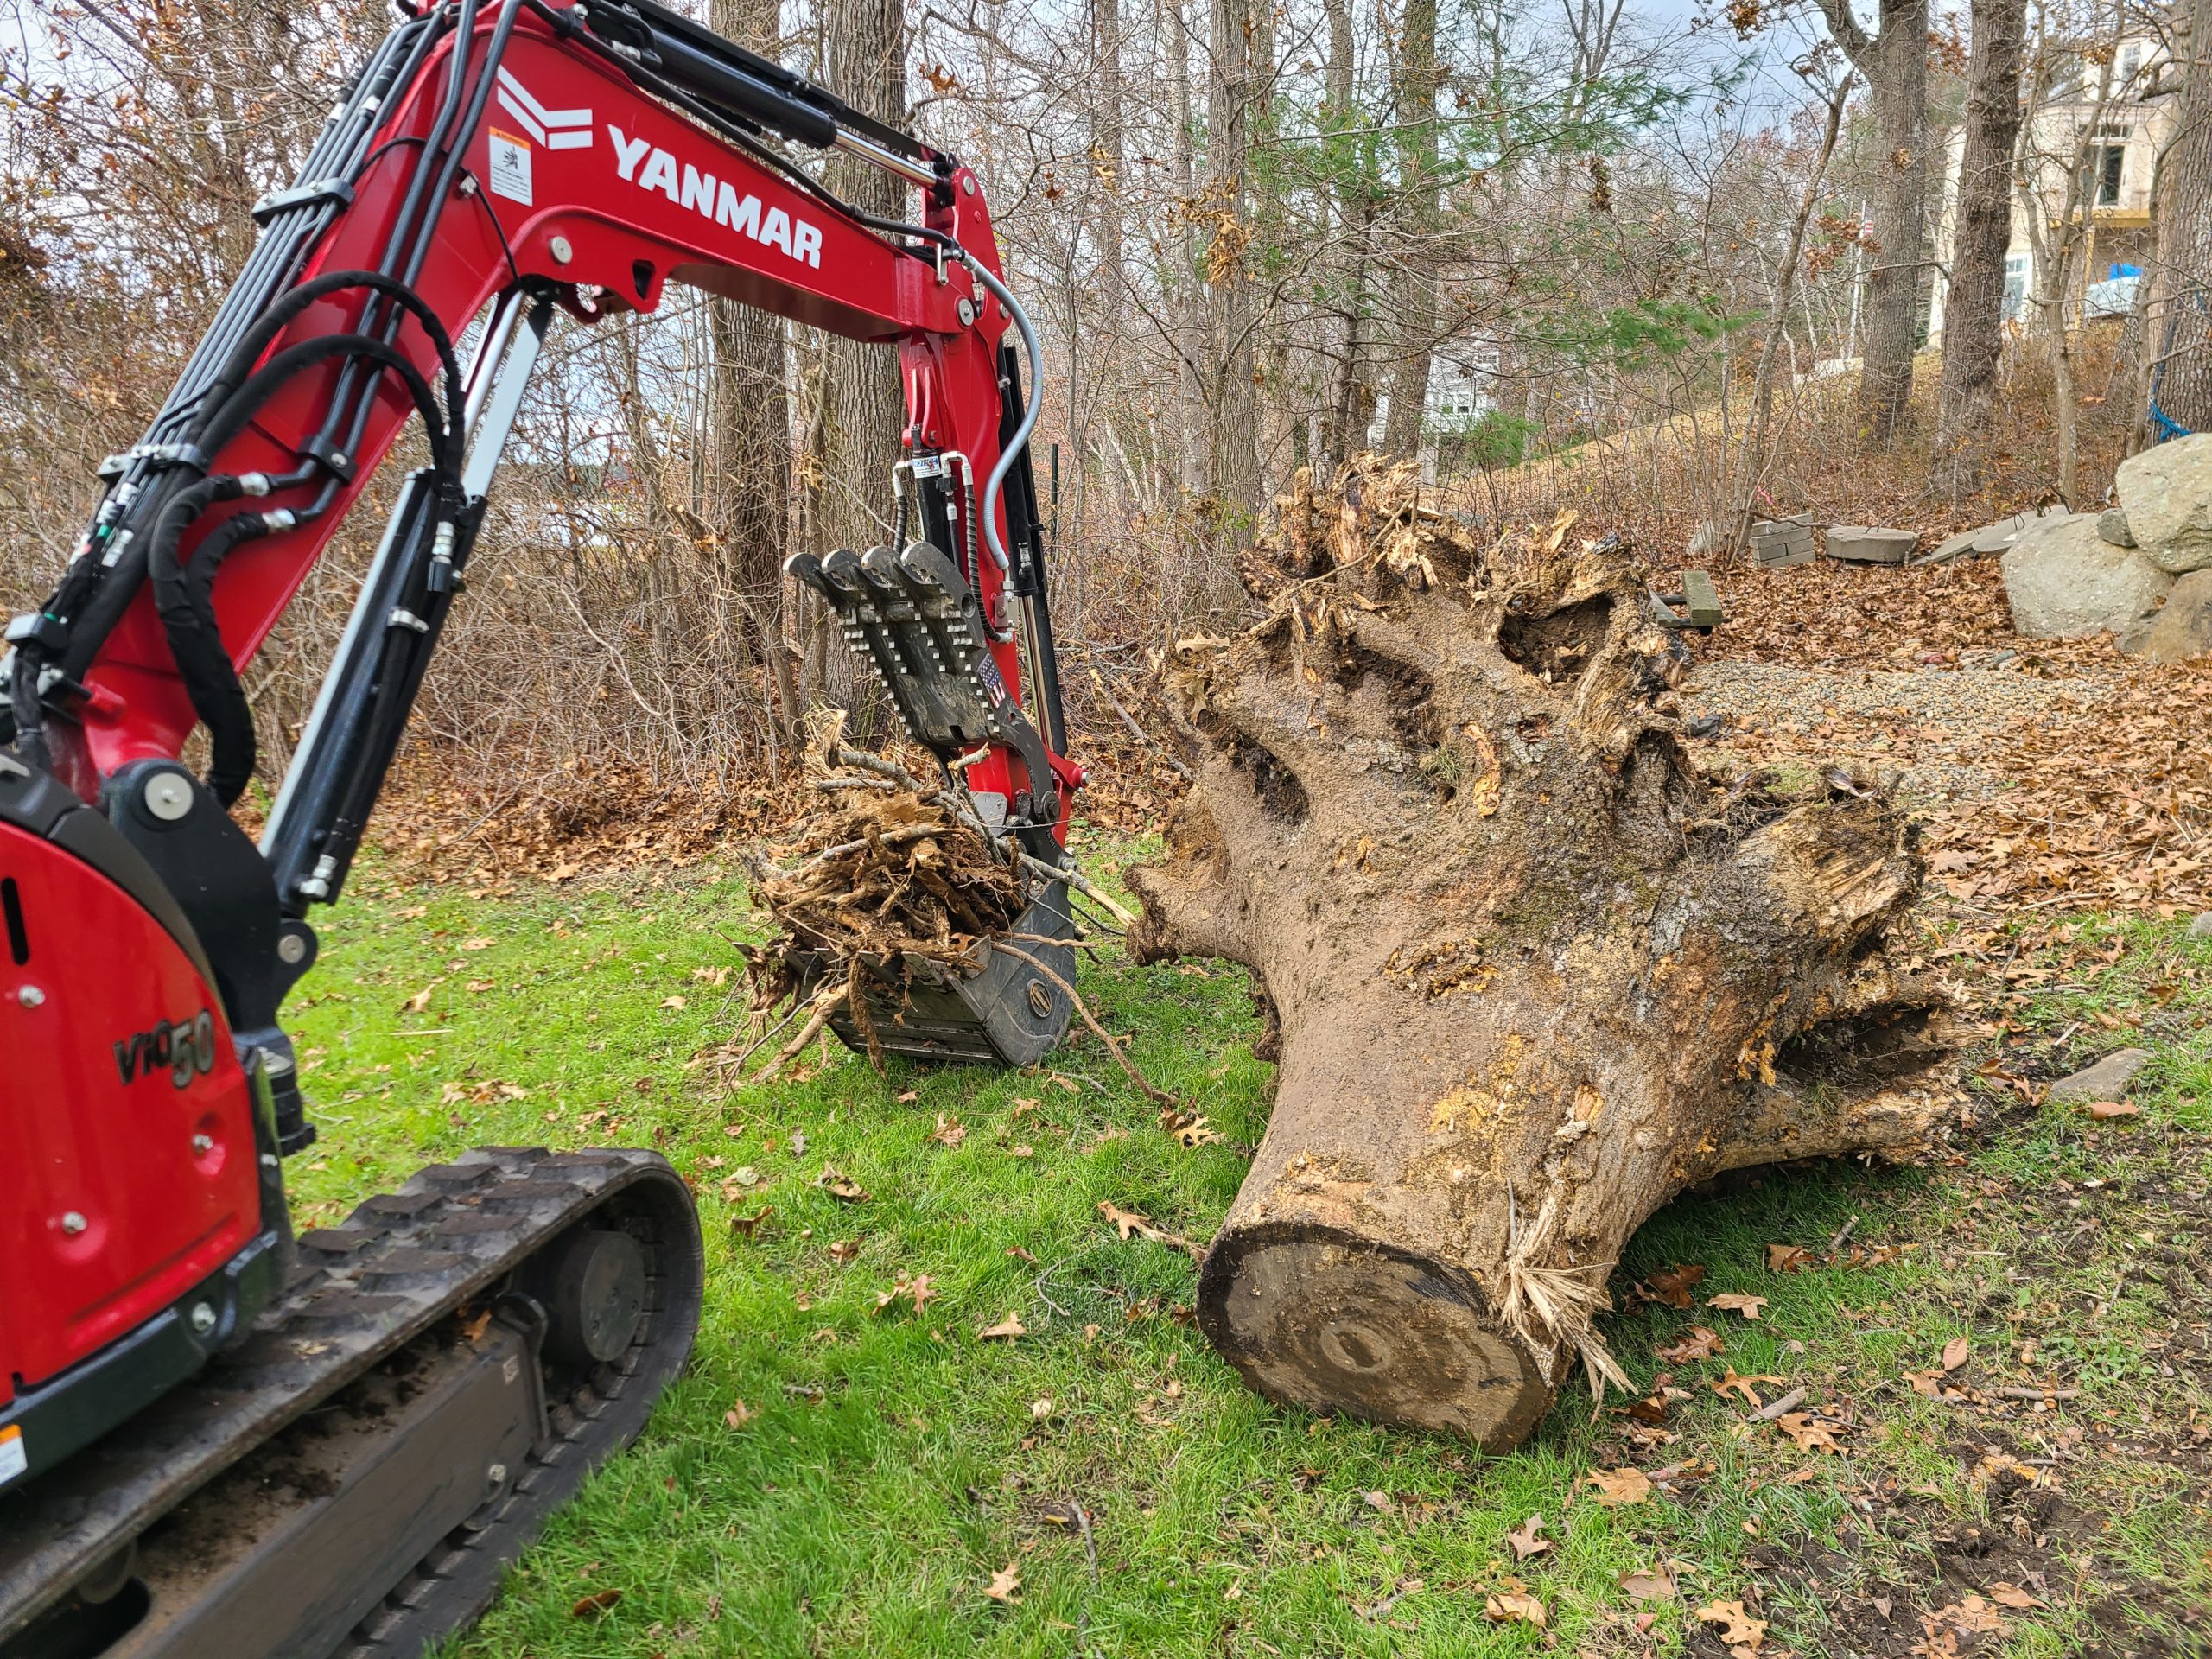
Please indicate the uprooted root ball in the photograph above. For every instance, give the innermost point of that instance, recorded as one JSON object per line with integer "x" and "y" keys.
{"x": 890, "y": 879}
{"x": 1528, "y": 975}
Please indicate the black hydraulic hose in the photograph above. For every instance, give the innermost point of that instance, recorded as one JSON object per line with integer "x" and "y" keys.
{"x": 184, "y": 590}
{"x": 493, "y": 53}
{"x": 449, "y": 106}
{"x": 243, "y": 405}
{"x": 292, "y": 302}
{"x": 195, "y": 637}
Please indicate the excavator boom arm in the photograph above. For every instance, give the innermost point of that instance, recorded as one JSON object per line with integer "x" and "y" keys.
{"x": 519, "y": 156}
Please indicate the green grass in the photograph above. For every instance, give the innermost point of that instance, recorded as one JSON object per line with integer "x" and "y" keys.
{"x": 893, "y": 1462}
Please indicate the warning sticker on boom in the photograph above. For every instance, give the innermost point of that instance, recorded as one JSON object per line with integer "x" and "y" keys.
{"x": 509, "y": 167}
{"x": 13, "y": 1459}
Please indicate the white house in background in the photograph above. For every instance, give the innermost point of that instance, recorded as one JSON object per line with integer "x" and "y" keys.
{"x": 1462, "y": 389}
{"x": 2135, "y": 123}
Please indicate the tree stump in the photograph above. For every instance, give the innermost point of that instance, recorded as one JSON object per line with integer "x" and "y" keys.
{"x": 1525, "y": 973}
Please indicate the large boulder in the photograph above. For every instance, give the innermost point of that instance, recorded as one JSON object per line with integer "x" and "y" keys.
{"x": 2167, "y": 492}
{"x": 2064, "y": 580}
{"x": 2182, "y": 629}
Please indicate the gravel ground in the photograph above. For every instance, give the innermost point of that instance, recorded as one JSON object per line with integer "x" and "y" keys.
{"x": 1940, "y": 726}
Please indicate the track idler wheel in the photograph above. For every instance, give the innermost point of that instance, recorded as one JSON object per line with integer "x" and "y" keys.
{"x": 592, "y": 1286}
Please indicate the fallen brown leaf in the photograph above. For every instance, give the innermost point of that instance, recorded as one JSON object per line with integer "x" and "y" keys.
{"x": 738, "y": 1414}
{"x": 1653, "y": 1584}
{"x": 598, "y": 1602}
{"x": 1701, "y": 1342}
{"x": 1190, "y": 1129}
{"x": 2011, "y": 1595}
{"x": 949, "y": 1131}
{"x": 1005, "y": 1331}
{"x": 1005, "y": 1585}
{"x": 1514, "y": 1607}
{"x": 1673, "y": 1285}
{"x": 837, "y": 1185}
{"x": 1733, "y": 1383}
{"x": 1788, "y": 1258}
{"x": 1524, "y": 1539}
{"x": 1810, "y": 1435}
{"x": 1734, "y": 1302}
{"x": 1617, "y": 1487}
{"x": 1955, "y": 1353}
{"x": 1738, "y": 1626}
{"x": 2103, "y": 1108}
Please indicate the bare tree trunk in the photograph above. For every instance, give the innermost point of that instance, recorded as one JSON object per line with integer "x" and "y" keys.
{"x": 1525, "y": 982}
{"x": 1232, "y": 450}
{"x": 1344, "y": 427}
{"x": 2179, "y": 380}
{"x": 1188, "y": 298}
{"x": 748, "y": 434}
{"x": 1413, "y": 275}
{"x": 1895, "y": 63}
{"x": 864, "y": 411}
{"x": 1785, "y": 286}
{"x": 1974, "y": 310}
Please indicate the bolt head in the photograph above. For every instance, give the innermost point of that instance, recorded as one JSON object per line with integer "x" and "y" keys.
{"x": 31, "y": 997}
{"x": 291, "y": 949}
{"x": 168, "y": 796}
{"x": 561, "y": 251}
{"x": 201, "y": 1318}
{"x": 967, "y": 184}
{"x": 72, "y": 1223}
{"x": 967, "y": 310}
{"x": 497, "y": 1474}
{"x": 202, "y": 1145}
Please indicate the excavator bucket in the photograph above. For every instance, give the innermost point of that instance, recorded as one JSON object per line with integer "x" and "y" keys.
{"x": 914, "y": 619}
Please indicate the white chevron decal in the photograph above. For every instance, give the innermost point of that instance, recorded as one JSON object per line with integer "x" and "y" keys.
{"x": 555, "y": 129}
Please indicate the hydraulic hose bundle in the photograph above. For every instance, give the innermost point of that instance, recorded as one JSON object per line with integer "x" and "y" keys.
{"x": 184, "y": 589}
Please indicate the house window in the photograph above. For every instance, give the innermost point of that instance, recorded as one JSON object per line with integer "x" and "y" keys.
{"x": 2108, "y": 157}
{"x": 2016, "y": 286}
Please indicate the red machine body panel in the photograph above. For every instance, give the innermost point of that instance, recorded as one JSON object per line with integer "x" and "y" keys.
{"x": 117, "y": 1058}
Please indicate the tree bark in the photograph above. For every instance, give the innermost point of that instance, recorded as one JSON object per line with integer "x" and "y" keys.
{"x": 1894, "y": 61}
{"x": 2180, "y": 381}
{"x": 1974, "y": 311}
{"x": 1413, "y": 275}
{"x": 749, "y": 436}
{"x": 864, "y": 411}
{"x": 1528, "y": 975}
{"x": 1232, "y": 446}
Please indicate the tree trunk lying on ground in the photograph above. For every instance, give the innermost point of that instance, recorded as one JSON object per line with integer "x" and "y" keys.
{"x": 1527, "y": 976}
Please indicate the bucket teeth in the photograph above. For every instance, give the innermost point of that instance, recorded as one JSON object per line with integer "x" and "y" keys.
{"x": 916, "y": 621}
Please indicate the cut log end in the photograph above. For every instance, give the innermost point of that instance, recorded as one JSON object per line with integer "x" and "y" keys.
{"x": 1339, "y": 1324}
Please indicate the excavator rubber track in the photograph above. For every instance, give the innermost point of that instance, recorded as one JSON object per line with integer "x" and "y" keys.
{"x": 352, "y": 1479}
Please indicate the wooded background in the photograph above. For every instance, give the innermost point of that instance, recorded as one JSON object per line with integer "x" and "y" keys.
{"x": 1672, "y": 270}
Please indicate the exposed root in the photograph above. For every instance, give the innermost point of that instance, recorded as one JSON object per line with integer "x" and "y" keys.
{"x": 1127, "y": 1067}
{"x": 886, "y": 882}
{"x": 1552, "y": 1309}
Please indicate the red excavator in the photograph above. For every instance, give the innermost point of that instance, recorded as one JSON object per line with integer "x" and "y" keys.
{"x": 216, "y": 1439}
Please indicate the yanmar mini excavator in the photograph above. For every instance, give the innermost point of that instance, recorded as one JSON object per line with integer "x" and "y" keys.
{"x": 216, "y": 1439}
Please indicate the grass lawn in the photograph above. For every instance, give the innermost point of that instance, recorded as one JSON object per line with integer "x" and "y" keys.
{"x": 887, "y": 1466}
